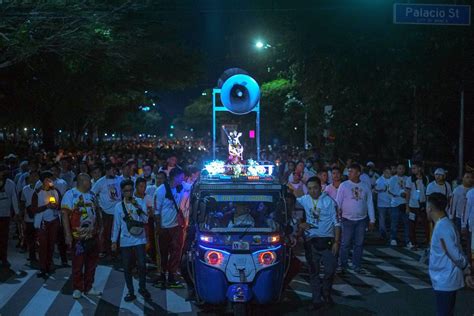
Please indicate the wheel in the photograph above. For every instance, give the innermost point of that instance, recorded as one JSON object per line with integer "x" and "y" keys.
{"x": 239, "y": 309}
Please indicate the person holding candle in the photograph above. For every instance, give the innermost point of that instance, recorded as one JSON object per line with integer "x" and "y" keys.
{"x": 45, "y": 204}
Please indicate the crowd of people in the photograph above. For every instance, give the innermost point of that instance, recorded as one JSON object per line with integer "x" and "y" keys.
{"x": 132, "y": 201}
{"x": 336, "y": 206}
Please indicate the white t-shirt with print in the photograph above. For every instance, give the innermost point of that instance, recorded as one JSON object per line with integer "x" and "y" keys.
{"x": 109, "y": 193}
{"x": 84, "y": 203}
{"x": 355, "y": 201}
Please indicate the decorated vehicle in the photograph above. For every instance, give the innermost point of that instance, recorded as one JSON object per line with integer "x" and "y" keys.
{"x": 239, "y": 255}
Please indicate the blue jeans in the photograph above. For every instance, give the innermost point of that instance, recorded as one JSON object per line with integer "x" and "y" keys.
{"x": 445, "y": 302}
{"x": 383, "y": 214}
{"x": 353, "y": 232}
{"x": 396, "y": 213}
{"x": 127, "y": 259}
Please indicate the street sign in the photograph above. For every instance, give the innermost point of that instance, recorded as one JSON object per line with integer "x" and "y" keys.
{"x": 432, "y": 14}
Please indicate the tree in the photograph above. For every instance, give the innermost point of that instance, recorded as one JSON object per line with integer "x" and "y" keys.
{"x": 72, "y": 63}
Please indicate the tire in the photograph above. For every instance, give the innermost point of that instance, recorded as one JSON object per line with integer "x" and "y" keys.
{"x": 239, "y": 309}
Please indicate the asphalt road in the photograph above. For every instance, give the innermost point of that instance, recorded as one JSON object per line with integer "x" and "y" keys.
{"x": 396, "y": 284}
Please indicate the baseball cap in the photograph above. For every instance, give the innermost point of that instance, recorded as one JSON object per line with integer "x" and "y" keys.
{"x": 440, "y": 172}
{"x": 370, "y": 164}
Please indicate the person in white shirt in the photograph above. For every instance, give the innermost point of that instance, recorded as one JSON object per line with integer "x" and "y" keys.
{"x": 81, "y": 228}
{"x": 20, "y": 184}
{"x": 354, "y": 200}
{"x": 384, "y": 201}
{"x": 171, "y": 163}
{"x": 127, "y": 172}
{"x": 458, "y": 205}
{"x": 448, "y": 267}
{"x": 331, "y": 189}
{"x": 24, "y": 167}
{"x": 161, "y": 178}
{"x": 60, "y": 184}
{"x": 309, "y": 170}
{"x": 440, "y": 185}
{"x": 299, "y": 169}
{"x": 169, "y": 223}
{"x": 46, "y": 203}
{"x": 373, "y": 175}
{"x": 66, "y": 173}
{"x": 415, "y": 187}
{"x": 295, "y": 184}
{"x": 141, "y": 196}
{"x": 8, "y": 201}
{"x": 399, "y": 206}
{"x": 322, "y": 235}
{"x": 28, "y": 216}
{"x": 364, "y": 177}
{"x": 107, "y": 190}
{"x": 95, "y": 173}
{"x": 129, "y": 220}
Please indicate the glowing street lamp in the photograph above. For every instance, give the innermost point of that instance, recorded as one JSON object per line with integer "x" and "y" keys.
{"x": 262, "y": 45}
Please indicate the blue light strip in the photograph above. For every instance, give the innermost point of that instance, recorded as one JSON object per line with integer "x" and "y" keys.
{"x": 219, "y": 250}
{"x": 265, "y": 250}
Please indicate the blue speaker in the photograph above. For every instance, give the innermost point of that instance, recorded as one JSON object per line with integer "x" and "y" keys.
{"x": 240, "y": 93}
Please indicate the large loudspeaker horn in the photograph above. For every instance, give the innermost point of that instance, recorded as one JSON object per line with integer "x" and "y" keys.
{"x": 240, "y": 93}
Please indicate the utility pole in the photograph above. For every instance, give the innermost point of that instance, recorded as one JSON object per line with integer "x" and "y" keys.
{"x": 461, "y": 137}
{"x": 305, "y": 128}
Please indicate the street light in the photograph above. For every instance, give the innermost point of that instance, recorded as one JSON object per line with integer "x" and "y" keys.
{"x": 260, "y": 45}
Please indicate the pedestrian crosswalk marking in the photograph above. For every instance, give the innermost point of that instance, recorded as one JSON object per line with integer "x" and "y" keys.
{"x": 400, "y": 274}
{"x": 300, "y": 281}
{"x": 345, "y": 289}
{"x": 31, "y": 297}
{"x": 45, "y": 296}
{"x": 177, "y": 304}
{"x": 379, "y": 285}
{"x": 135, "y": 307}
{"x": 8, "y": 290}
{"x": 303, "y": 293}
{"x": 101, "y": 275}
{"x": 403, "y": 258}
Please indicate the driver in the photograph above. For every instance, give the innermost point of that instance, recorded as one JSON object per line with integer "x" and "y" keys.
{"x": 239, "y": 216}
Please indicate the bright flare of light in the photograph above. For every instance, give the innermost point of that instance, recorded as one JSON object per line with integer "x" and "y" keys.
{"x": 259, "y": 44}
{"x": 215, "y": 167}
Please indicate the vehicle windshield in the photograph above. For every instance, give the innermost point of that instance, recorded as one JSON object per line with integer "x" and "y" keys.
{"x": 241, "y": 213}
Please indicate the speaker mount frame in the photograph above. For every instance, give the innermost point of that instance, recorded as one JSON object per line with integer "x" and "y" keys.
{"x": 221, "y": 108}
